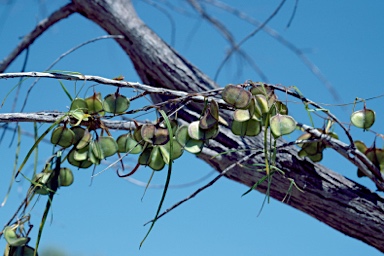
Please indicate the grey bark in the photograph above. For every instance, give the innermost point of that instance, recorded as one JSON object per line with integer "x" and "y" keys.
{"x": 329, "y": 197}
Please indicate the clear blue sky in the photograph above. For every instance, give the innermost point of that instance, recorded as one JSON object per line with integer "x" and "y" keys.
{"x": 344, "y": 39}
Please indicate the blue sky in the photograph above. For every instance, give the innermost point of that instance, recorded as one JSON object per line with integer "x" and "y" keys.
{"x": 344, "y": 40}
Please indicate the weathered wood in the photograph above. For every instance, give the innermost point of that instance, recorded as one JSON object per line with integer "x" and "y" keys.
{"x": 331, "y": 198}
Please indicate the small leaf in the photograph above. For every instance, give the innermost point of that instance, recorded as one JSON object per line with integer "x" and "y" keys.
{"x": 364, "y": 118}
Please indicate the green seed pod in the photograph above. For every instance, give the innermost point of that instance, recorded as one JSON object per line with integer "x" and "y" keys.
{"x": 79, "y": 104}
{"x": 191, "y": 145}
{"x": 116, "y": 103}
{"x": 65, "y": 177}
{"x": 94, "y": 104}
{"x": 196, "y": 133}
{"x": 79, "y": 134}
{"x": 126, "y": 143}
{"x": 108, "y": 145}
{"x": 81, "y": 164}
{"x": 62, "y": 136}
{"x": 282, "y": 125}
{"x": 364, "y": 118}
{"x": 177, "y": 151}
{"x": 85, "y": 140}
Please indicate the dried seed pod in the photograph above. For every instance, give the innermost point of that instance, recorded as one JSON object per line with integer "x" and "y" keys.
{"x": 154, "y": 134}
{"x": 236, "y": 96}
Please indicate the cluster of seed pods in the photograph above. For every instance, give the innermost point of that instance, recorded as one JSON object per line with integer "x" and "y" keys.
{"x": 256, "y": 108}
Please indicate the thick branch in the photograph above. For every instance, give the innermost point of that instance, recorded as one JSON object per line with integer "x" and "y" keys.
{"x": 328, "y": 196}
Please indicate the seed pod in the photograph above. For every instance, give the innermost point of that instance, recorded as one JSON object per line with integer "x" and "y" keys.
{"x": 65, "y": 177}
{"x": 94, "y": 104}
{"x": 79, "y": 104}
{"x": 211, "y": 116}
{"x": 85, "y": 140}
{"x": 177, "y": 151}
{"x": 115, "y": 103}
{"x": 282, "y": 125}
{"x": 364, "y": 118}
{"x": 108, "y": 145}
{"x": 81, "y": 164}
{"x": 191, "y": 145}
{"x": 252, "y": 127}
{"x": 154, "y": 134}
{"x": 62, "y": 136}
{"x": 236, "y": 96}
{"x": 196, "y": 133}
{"x": 126, "y": 143}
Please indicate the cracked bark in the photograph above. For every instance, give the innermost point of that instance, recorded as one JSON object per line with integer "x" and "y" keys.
{"x": 329, "y": 197}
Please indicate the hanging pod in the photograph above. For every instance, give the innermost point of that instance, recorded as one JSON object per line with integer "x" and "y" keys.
{"x": 108, "y": 145}
{"x": 364, "y": 118}
{"x": 251, "y": 127}
{"x": 79, "y": 104}
{"x": 62, "y": 136}
{"x": 151, "y": 156}
{"x": 191, "y": 145}
{"x": 210, "y": 117}
{"x": 126, "y": 143}
{"x": 253, "y": 111}
{"x": 12, "y": 238}
{"x": 282, "y": 125}
{"x": 85, "y": 140}
{"x": 65, "y": 177}
{"x": 154, "y": 134}
{"x": 177, "y": 151}
{"x": 80, "y": 164}
{"x": 115, "y": 103}
{"x": 94, "y": 104}
{"x": 236, "y": 96}
{"x": 196, "y": 133}
{"x": 79, "y": 133}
